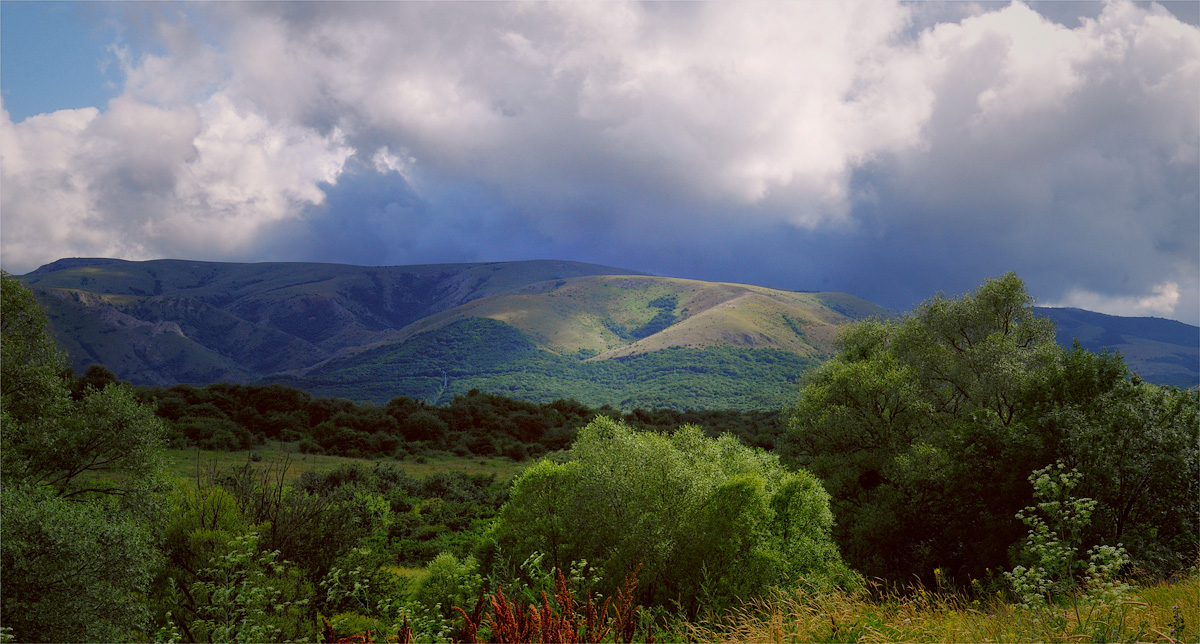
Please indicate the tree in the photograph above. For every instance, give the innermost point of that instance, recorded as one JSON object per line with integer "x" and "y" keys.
{"x": 1138, "y": 449}
{"x": 72, "y": 571}
{"x": 706, "y": 519}
{"x": 924, "y": 430}
{"x": 30, "y": 372}
{"x": 80, "y": 481}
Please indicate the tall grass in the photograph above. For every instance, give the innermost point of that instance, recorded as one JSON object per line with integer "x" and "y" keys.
{"x": 1158, "y": 612}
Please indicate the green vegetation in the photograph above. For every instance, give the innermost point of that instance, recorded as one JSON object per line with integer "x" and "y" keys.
{"x": 243, "y": 417}
{"x": 168, "y": 321}
{"x": 925, "y": 430}
{"x": 704, "y": 519}
{"x": 193, "y": 464}
{"x": 80, "y": 483}
{"x": 942, "y": 437}
{"x": 488, "y": 355}
{"x": 1154, "y": 612}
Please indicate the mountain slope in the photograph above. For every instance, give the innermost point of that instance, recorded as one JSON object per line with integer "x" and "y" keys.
{"x": 1160, "y": 351}
{"x": 537, "y": 330}
{"x": 618, "y": 316}
{"x": 237, "y": 322}
{"x": 620, "y": 340}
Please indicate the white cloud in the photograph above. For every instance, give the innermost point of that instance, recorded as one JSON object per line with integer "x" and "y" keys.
{"x": 1162, "y": 301}
{"x": 140, "y": 181}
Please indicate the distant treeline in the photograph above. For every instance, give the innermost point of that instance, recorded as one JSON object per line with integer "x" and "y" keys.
{"x": 231, "y": 417}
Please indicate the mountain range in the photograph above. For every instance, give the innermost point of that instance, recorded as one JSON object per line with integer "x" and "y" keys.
{"x": 537, "y": 330}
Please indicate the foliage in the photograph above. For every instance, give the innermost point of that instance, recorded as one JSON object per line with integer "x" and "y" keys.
{"x": 924, "y": 430}
{"x": 203, "y": 521}
{"x": 73, "y": 571}
{"x": 80, "y": 479}
{"x": 233, "y": 417}
{"x": 703, "y": 517}
{"x": 369, "y": 599}
{"x": 248, "y": 595}
{"x": 310, "y": 529}
{"x": 444, "y": 512}
{"x": 102, "y": 442}
{"x": 1138, "y": 448}
{"x": 449, "y": 582}
{"x": 32, "y": 364}
{"x": 1053, "y": 546}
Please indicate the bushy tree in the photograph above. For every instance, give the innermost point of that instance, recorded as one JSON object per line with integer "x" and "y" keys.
{"x": 705, "y": 519}
{"x": 924, "y": 431}
{"x": 72, "y": 571}
{"x": 81, "y": 481}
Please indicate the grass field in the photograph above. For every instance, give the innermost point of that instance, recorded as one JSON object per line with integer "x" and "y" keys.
{"x": 187, "y": 464}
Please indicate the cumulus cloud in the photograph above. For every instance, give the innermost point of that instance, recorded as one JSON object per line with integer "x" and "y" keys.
{"x": 1081, "y": 175}
{"x": 140, "y": 180}
{"x": 890, "y": 150}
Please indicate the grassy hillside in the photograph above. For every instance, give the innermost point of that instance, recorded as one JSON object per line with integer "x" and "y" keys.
{"x": 485, "y": 354}
{"x": 625, "y": 341}
{"x": 619, "y": 316}
{"x": 167, "y": 321}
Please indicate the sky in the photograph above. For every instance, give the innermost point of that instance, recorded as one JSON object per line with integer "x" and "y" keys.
{"x": 888, "y": 150}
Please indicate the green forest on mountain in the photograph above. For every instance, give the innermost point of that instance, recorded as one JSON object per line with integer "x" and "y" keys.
{"x": 954, "y": 474}
{"x": 484, "y": 353}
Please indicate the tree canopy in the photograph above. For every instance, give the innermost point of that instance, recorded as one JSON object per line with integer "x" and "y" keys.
{"x": 79, "y": 479}
{"x": 924, "y": 431}
{"x": 700, "y": 516}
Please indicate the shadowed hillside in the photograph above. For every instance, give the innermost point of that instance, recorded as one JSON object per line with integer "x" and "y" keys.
{"x": 1161, "y": 351}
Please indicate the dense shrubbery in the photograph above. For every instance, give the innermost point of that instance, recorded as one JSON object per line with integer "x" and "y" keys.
{"x": 705, "y": 519}
{"x": 235, "y": 417}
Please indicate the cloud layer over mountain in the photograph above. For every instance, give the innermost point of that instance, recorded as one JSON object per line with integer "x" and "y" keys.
{"x": 887, "y": 150}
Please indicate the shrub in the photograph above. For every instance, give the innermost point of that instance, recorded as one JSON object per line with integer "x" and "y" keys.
{"x": 703, "y": 517}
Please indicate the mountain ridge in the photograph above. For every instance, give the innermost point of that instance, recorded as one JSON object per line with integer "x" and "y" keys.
{"x": 372, "y": 332}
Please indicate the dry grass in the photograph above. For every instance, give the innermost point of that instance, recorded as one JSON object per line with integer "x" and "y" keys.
{"x": 874, "y": 615}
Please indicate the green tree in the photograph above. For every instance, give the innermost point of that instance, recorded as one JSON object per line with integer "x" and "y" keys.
{"x": 924, "y": 429}
{"x": 80, "y": 481}
{"x": 72, "y": 571}
{"x": 1138, "y": 448}
{"x": 706, "y": 519}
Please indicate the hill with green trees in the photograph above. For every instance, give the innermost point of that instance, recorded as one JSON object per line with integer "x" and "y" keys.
{"x": 535, "y": 330}
{"x": 538, "y": 330}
